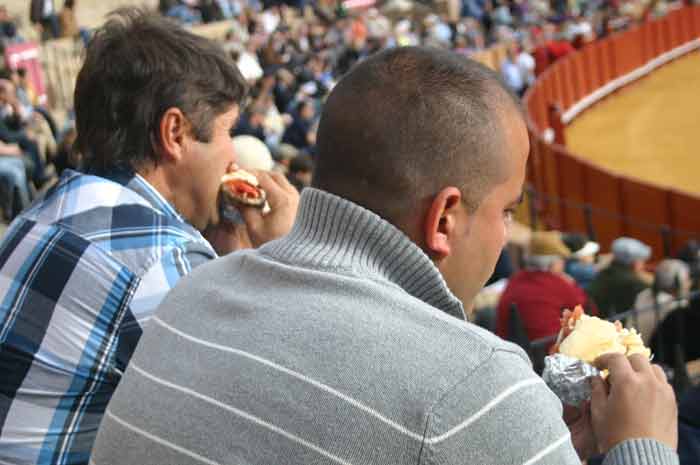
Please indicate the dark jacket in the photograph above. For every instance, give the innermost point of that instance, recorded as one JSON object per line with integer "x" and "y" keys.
{"x": 615, "y": 289}
{"x": 689, "y": 427}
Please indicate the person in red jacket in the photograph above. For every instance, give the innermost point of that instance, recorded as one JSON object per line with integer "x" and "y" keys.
{"x": 542, "y": 290}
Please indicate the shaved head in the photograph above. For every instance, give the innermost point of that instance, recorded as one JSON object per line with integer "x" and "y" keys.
{"x": 409, "y": 121}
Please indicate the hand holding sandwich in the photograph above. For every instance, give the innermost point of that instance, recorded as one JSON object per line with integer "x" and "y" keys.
{"x": 283, "y": 199}
{"x": 635, "y": 402}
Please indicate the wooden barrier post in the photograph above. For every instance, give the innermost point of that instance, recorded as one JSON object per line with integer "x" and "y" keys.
{"x": 556, "y": 123}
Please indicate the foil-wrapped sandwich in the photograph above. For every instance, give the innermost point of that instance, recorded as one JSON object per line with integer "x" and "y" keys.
{"x": 581, "y": 341}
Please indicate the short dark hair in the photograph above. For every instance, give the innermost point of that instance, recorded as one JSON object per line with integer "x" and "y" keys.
{"x": 409, "y": 121}
{"x": 137, "y": 66}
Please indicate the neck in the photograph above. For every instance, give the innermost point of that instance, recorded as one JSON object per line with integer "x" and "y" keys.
{"x": 334, "y": 233}
{"x": 158, "y": 179}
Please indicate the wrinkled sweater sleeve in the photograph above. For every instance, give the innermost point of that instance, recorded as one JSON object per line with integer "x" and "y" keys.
{"x": 641, "y": 452}
{"x": 503, "y": 414}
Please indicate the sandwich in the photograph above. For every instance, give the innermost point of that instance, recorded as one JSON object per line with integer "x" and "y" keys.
{"x": 586, "y": 337}
{"x": 582, "y": 339}
{"x": 240, "y": 187}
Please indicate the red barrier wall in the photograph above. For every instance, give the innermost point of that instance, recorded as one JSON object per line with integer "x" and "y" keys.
{"x": 616, "y": 205}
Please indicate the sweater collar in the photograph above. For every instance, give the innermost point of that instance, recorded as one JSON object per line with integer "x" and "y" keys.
{"x": 331, "y": 232}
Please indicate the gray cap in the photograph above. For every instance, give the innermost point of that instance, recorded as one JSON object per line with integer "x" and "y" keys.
{"x": 627, "y": 250}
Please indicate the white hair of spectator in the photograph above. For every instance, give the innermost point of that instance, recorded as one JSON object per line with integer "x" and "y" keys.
{"x": 670, "y": 275}
{"x": 252, "y": 153}
{"x": 541, "y": 262}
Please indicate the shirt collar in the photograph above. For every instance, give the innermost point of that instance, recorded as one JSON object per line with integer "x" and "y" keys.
{"x": 137, "y": 183}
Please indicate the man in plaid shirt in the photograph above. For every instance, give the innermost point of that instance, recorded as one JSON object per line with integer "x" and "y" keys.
{"x": 83, "y": 269}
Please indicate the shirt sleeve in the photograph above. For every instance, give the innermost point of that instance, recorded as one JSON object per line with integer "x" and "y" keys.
{"x": 164, "y": 274}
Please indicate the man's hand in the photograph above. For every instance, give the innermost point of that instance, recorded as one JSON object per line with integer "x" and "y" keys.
{"x": 284, "y": 201}
{"x": 579, "y": 422}
{"x": 636, "y": 402}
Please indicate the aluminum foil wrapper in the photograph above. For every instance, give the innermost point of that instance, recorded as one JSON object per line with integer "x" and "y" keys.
{"x": 569, "y": 378}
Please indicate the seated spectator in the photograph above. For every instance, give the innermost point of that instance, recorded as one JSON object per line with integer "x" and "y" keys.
{"x": 690, "y": 254}
{"x": 251, "y": 123}
{"x": 8, "y": 28}
{"x": 542, "y": 290}
{"x": 42, "y": 13}
{"x": 526, "y": 63}
{"x": 14, "y": 190}
{"x": 671, "y": 285}
{"x": 184, "y": 13}
{"x": 504, "y": 267}
{"x": 299, "y": 133}
{"x": 581, "y": 264}
{"x": 69, "y": 23}
{"x": 616, "y": 287}
{"x": 512, "y": 74}
{"x": 301, "y": 171}
{"x": 689, "y": 427}
{"x": 678, "y": 332}
{"x": 85, "y": 267}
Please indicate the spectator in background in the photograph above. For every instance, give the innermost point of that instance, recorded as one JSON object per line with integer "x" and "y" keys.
{"x": 251, "y": 123}
{"x": 42, "y": 13}
{"x": 8, "y": 28}
{"x": 581, "y": 264}
{"x": 526, "y": 63}
{"x": 671, "y": 285}
{"x": 542, "y": 290}
{"x": 300, "y": 133}
{"x": 12, "y": 133}
{"x": 69, "y": 23}
{"x": 690, "y": 254}
{"x": 301, "y": 171}
{"x": 512, "y": 74}
{"x": 689, "y": 427}
{"x": 616, "y": 287}
{"x": 14, "y": 189}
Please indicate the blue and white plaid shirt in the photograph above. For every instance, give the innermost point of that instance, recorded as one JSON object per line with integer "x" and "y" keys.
{"x": 81, "y": 271}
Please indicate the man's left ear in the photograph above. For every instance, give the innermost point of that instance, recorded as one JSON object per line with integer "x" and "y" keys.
{"x": 173, "y": 132}
{"x": 440, "y": 222}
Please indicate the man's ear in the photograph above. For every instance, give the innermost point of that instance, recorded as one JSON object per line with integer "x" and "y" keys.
{"x": 173, "y": 131}
{"x": 441, "y": 220}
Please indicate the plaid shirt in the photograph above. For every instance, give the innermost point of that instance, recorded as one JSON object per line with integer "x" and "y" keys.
{"x": 81, "y": 271}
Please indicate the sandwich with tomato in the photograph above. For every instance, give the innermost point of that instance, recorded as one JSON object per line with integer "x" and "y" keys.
{"x": 239, "y": 187}
{"x": 588, "y": 337}
{"x": 582, "y": 339}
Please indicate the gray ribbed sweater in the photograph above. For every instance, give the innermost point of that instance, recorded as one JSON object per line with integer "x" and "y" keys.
{"x": 338, "y": 344}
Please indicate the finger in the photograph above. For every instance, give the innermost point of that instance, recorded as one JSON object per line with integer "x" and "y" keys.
{"x": 617, "y": 364}
{"x": 276, "y": 194}
{"x": 252, "y": 216}
{"x": 283, "y": 182}
{"x": 639, "y": 363}
{"x": 599, "y": 397}
{"x": 659, "y": 373}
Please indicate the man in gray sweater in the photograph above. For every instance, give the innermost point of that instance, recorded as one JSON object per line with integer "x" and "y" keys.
{"x": 345, "y": 341}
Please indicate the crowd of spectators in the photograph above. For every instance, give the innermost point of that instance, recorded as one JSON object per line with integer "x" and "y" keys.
{"x": 292, "y": 54}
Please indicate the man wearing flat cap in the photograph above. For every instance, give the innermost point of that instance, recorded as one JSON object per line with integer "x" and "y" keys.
{"x": 542, "y": 290}
{"x": 616, "y": 287}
